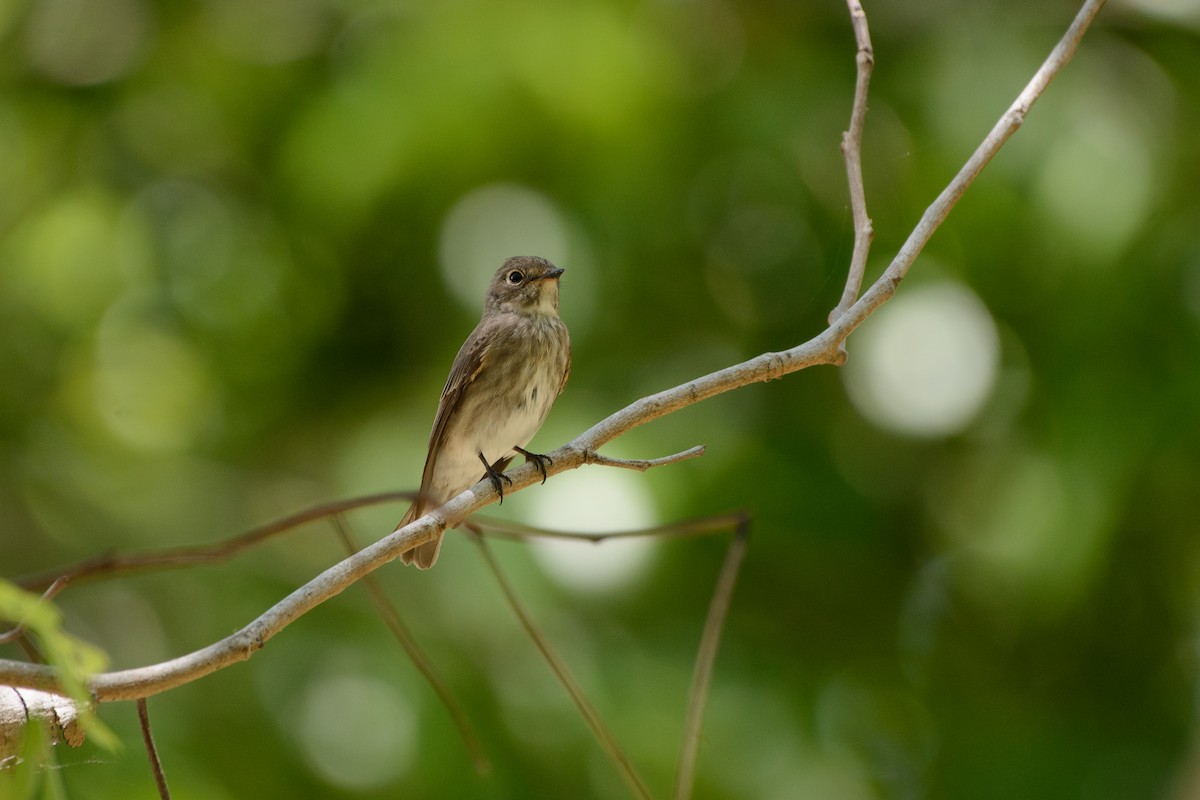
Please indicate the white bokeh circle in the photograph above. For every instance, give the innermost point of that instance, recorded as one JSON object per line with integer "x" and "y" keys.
{"x": 926, "y": 362}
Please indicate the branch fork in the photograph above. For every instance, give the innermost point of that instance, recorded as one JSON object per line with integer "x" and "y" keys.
{"x": 826, "y": 348}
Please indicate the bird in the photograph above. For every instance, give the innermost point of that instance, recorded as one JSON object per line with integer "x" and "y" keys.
{"x": 505, "y": 378}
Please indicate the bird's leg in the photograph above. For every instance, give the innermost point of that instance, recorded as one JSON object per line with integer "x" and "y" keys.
{"x": 537, "y": 458}
{"x": 496, "y": 476}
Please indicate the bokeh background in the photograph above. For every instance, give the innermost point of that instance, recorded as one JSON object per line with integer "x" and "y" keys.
{"x": 240, "y": 243}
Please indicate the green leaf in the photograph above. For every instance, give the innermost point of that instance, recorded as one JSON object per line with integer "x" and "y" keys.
{"x": 74, "y": 659}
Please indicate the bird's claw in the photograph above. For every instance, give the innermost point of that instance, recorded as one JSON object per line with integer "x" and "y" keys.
{"x": 497, "y": 478}
{"x": 537, "y": 458}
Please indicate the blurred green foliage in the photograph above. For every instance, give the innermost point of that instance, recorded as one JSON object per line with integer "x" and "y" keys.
{"x": 230, "y": 289}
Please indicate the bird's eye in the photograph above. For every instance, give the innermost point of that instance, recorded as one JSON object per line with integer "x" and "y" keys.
{"x": 515, "y": 277}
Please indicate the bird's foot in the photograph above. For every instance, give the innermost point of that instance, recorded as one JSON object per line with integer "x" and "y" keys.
{"x": 537, "y": 458}
{"x": 497, "y": 478}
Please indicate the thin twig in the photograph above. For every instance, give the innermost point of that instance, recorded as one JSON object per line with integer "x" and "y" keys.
{"x": 702, "y": 526}
{"x": 160, "y": 778}
{"x": 586, "y": 709}
{"x": 112, "y": 565}
{"x": 1005, "y": 127}
{"x": 420, "y": 659}
{"x": 706, "y": 656}
{"x": 825, "y": 348}
{"x": 864, "y": 232}
{"x": 18, "y": 631}
{"x": 641, "y": 465}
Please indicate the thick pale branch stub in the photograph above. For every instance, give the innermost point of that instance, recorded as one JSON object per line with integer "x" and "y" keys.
{"x": 20, "y": 707}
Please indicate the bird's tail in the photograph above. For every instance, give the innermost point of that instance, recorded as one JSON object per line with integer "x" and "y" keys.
{"x": 423, "y": 555}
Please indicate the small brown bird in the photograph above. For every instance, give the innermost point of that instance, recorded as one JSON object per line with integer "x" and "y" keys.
{"x": 501, "y": 386}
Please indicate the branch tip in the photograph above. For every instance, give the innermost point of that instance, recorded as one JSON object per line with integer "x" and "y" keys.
{"x": 591, "y": 456}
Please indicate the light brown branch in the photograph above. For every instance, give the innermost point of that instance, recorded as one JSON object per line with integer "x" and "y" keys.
{"x": 160, "y": 777}
{"x": 822, "y": 349}
{"x": 112, "y": 565}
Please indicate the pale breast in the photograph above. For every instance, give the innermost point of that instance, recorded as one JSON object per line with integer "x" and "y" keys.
{"x": 505, "y": 405}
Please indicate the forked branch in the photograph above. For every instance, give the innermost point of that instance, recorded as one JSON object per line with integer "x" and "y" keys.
{"x": 825, "y": 348}
{"x": 864, "y": 232}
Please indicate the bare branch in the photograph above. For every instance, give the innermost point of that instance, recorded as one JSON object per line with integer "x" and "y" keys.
{"x": 586, "y": 709}
{"x": 1013, "y": 118}
{"x": 641, "y": 465}
{"x": 864, "y": 232}
{"x": 825, "y": 348}
{"x": 687, "y": 529}
{"x": 416, "y": 654}
{"x": 112, "y": 565}
{"x": 160, "y": 777}
{"x": 18, "y": 631}
{"x": 706, "y": 656}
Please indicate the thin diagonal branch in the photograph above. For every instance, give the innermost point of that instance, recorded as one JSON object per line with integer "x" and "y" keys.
{"x": 18, "y": 632}
{"x": 112, "y": 565}
{"x": 706, "y": 656}
{"x": 160, "y": 777}
{"x": 391, "y": 618}
{"x": 563, "y": 674}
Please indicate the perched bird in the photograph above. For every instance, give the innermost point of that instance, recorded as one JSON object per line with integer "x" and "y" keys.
{"x": 501, "y": 386}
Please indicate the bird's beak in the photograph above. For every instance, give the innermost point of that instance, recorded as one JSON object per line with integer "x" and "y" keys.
{"x": 552, "y": 274}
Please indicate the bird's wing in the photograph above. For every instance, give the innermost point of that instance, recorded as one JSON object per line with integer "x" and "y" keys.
{"x": 471, "y": 359}
{"x": 567, "y": 368}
